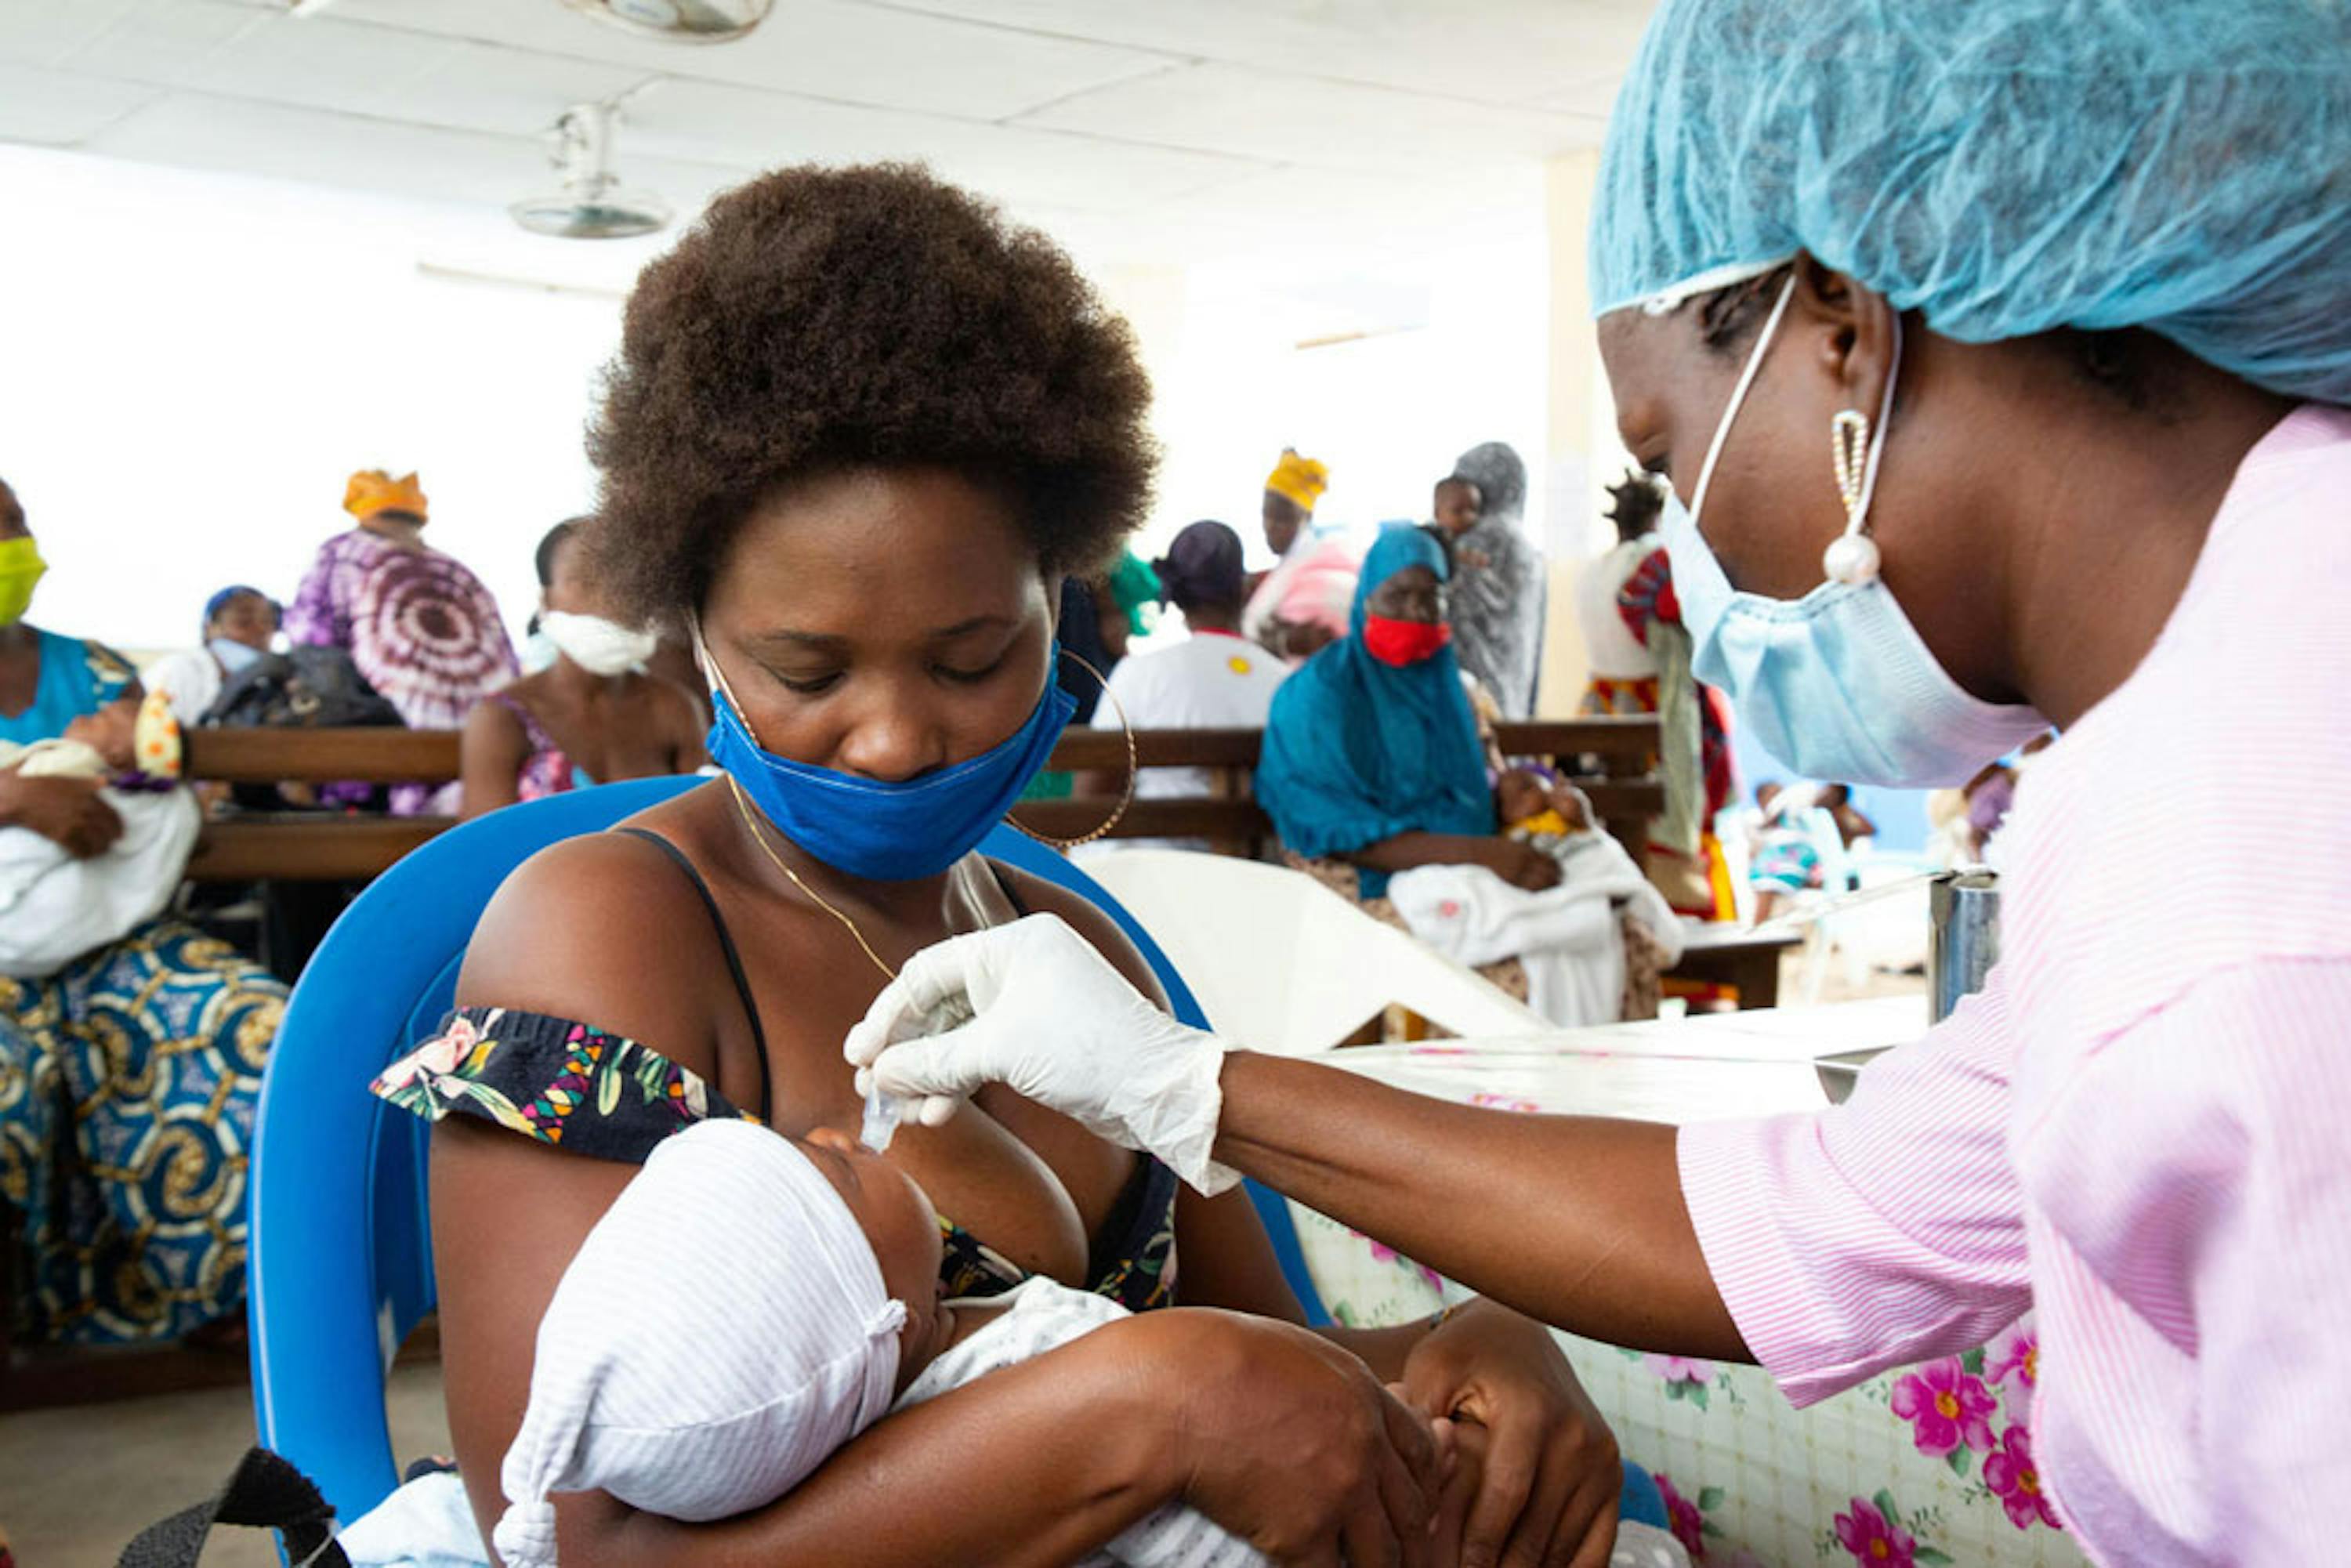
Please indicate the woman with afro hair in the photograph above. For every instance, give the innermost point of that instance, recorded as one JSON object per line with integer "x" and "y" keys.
{"x": 858, "y": 430}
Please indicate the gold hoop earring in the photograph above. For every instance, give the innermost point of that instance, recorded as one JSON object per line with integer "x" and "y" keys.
{"x": 1853, "y": 557}
{"x": 1132, "y": 767}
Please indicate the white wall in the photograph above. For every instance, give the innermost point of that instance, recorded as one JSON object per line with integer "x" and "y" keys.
{"x": 1453, "y": 356}
{"x": 191, "y": 364}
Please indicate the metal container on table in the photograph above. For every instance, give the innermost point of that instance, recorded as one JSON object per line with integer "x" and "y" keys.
{"x": 1963, "y": 912}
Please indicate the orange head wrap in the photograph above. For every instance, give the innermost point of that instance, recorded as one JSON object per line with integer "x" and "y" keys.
{"x": 371, "y": 490}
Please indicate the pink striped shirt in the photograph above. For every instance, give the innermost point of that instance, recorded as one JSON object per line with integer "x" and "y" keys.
{"x": 2142, "y": 1130}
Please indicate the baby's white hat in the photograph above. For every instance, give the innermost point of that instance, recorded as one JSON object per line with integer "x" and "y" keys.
{"x": 723, "y": 1328}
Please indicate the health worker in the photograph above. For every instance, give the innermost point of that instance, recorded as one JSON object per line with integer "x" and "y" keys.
{"x": 1997, "y": 356}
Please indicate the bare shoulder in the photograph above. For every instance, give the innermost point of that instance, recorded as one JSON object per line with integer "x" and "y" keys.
{"x": 1088, "y": 919}
{"x": 677, "y": 712}
{"x": 491, "y": 720}
{"x": 606, "y": 929}
{"x": 672, "y": 698}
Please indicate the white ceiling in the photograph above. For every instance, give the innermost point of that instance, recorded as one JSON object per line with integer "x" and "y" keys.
{"x": 1140, "y": 129}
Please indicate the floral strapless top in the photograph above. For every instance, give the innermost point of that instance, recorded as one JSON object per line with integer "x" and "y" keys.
{"x": 581, "y": 1088}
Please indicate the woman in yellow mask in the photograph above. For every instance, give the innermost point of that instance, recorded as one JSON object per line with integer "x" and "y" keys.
{"x": 92, "y": 1119}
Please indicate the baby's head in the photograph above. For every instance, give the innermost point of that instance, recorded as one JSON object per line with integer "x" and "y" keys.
{"x": 900, "y": 1227}
{"x": 747, "y": 1304}
{"x": 1457, "y": 505}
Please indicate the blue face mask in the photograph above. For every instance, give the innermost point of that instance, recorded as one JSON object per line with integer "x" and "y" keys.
{"x": 1837, "y": 685}
{"x": 886, "y": 831}
{"x": 234, "y": 657}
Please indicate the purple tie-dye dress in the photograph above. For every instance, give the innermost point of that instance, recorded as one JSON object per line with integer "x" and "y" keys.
{"x": 419, "y": 625}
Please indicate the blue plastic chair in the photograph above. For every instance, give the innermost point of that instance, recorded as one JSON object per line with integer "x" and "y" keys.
{"x": 341, "y": 1258}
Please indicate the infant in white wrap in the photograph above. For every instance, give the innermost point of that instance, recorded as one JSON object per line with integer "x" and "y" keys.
{"x": 55, "y": 906}
{"x": 748, "y": 1304}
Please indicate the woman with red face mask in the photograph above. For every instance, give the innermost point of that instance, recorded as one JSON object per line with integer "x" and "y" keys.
{"x": 1372, "y": 762}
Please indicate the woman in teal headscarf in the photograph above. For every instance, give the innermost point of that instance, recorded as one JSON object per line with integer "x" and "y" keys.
{"x": 1372, "y": 763}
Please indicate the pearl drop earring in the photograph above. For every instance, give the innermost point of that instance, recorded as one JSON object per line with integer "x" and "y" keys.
{"x": 1853, "y": 558}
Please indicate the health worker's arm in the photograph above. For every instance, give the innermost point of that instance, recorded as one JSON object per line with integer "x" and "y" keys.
{"x": 1826, "y": 1245}
{"x": 1548, "y": 1474}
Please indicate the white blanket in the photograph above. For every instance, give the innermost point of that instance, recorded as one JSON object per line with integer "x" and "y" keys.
{"x": 1566, "y": 935}
{"x": 54, "y": 908}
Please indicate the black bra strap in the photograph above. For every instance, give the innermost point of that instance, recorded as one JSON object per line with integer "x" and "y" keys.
{"x": 725, "y": 945}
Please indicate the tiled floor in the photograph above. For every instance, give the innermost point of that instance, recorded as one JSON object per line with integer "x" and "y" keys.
{"x": 77, "y": 1484}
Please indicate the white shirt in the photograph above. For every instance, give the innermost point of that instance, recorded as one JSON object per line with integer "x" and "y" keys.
{"x": 192, "y": 677}
{"x": 1608, "y": 643}
{"x": 1210, "y": 680}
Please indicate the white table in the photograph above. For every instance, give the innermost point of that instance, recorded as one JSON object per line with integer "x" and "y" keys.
{"x": 1668, "y": 1070}
{"x": 1757, "y": 1481}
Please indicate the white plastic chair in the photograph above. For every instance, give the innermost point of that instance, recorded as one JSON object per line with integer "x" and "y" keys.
{"x": 1280, "y": 962}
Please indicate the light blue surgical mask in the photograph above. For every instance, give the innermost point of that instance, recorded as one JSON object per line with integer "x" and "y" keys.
{"x": 1838, "y": 684}
{"x": 882, "y": 830}
{"x": 234, "y": 657}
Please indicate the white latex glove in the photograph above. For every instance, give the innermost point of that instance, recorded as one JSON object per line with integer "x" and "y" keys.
{"x": 1052, "y": 1019}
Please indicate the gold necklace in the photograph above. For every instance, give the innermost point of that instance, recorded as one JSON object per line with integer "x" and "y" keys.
{"x": 751, "y": 824}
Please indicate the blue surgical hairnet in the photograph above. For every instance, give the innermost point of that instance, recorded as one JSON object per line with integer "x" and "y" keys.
{"x": 2004, "y": 167}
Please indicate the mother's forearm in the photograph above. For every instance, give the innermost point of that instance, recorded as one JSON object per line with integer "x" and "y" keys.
{"x": 1038, "y": 1464}
{"x": 1576, "y": 1220}
{"x": 1407, "y": 851}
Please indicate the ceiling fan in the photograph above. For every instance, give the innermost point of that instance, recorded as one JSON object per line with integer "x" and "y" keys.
{"x": 681, "y": 21}
{"x": 593, "y": 204}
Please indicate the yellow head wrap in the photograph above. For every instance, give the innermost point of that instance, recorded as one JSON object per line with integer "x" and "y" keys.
{"x": 371, "y": 490}
{"x": 1301, "y": 479}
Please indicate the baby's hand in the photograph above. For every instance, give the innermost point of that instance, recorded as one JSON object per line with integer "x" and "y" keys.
{"x": 1573, "y": 804}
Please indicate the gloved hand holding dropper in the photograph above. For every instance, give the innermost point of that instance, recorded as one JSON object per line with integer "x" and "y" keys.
{"x": 1054, "y": 1022}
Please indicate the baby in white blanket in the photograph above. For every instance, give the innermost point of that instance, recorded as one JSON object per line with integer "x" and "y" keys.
{"x": 59, "y": 903}
{"x": 748, "y": 1304}
{"x": 751, "y": 1302}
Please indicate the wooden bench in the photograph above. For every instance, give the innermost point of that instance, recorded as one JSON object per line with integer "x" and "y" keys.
{"x": 313, "y": 846}
{"x": 320, "y": 846}
{"x": 1623, "y": 790}
{"x": 1610, "y": 759}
